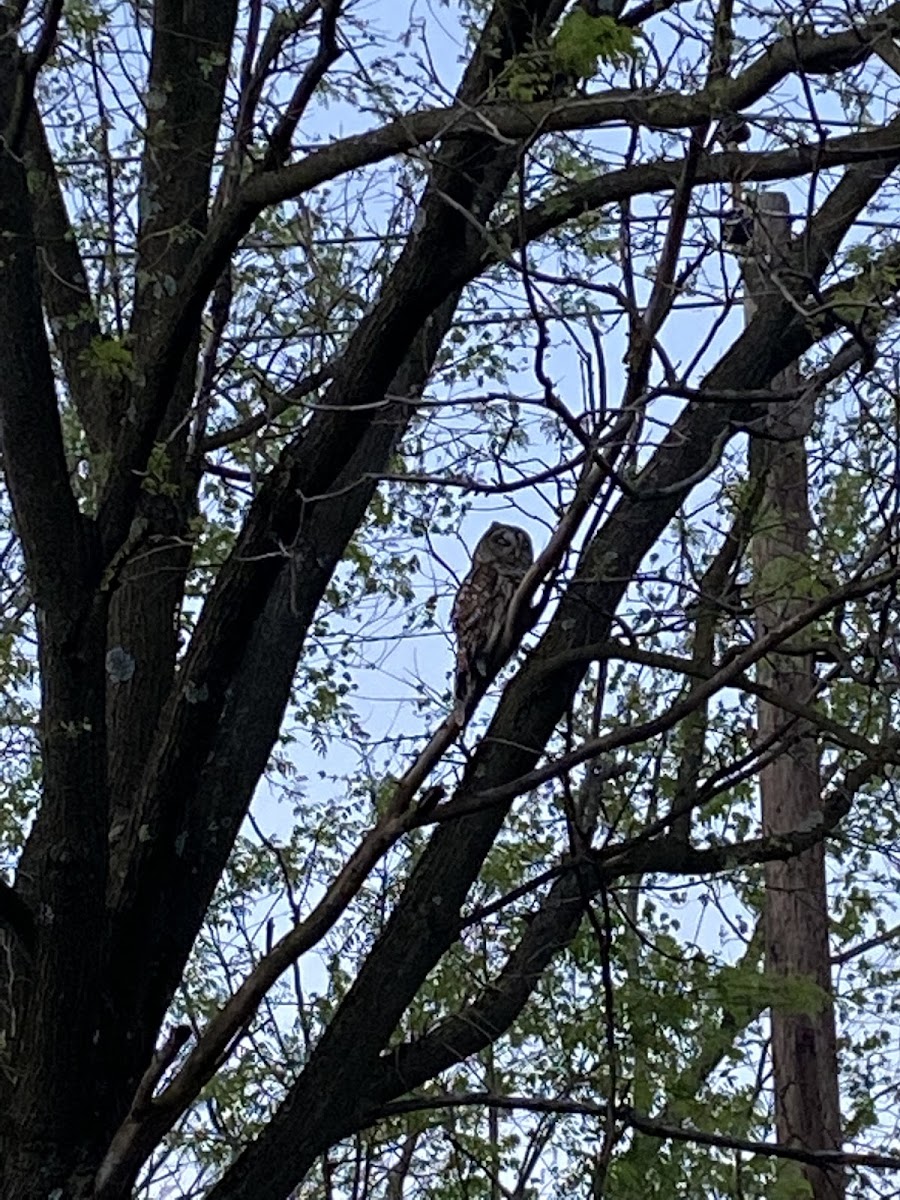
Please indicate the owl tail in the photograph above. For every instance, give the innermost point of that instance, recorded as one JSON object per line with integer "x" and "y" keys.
{"x": 465, "y": 685}
{"x": 462, "y": 691}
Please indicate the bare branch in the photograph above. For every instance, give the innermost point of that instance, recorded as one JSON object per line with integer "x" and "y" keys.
{"x": 328, "y": 52}
{"x": 162, "y": 1060}
{"x": 275, "y": 406}
{"x": 726, "y": 674}
{"x": 65, "y": 292}
{"x": 28, "y": 73}
{"x": 606, "y": 189}
{"x": 646, "y": 1125}
{"x": 506, "y": 122}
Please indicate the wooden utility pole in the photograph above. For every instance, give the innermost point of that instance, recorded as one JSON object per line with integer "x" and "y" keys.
{"x": 804, "y": 1052}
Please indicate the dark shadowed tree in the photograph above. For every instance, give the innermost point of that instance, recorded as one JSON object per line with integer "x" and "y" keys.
{"x": 287, "y": 292}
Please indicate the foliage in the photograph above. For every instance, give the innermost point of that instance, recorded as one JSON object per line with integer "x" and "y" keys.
{"x": 583, "y": 39}
{"x": 217, "y": 672}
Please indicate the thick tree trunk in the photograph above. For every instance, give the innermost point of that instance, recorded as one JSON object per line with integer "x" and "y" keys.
{"x": 148, "y": 771}
{"x": 804, "y": 1053}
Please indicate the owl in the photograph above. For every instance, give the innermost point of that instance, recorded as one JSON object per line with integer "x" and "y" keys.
{"x": 482, "y": 603}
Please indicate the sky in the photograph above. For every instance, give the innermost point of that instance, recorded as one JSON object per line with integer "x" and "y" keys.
{"x": 399, "y": 674}
{"x": 389, "y": 699}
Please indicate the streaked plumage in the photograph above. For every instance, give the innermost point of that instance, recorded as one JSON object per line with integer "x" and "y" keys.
{"x": 482, "y": 603}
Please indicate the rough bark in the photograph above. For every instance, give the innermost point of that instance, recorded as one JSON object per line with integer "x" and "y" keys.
{"x": 206, "y": 755}
{"x": 56, "y": 990}
{"x": 804, "y": 1048}
{"x": 190, "y": 43}
{"x": 424, "y": 923}
{"x": 157, "y": 770}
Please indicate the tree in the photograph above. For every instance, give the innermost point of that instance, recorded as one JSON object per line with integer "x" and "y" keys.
{"x": 805, "y": 1073}
{"x": 251, "y": 366}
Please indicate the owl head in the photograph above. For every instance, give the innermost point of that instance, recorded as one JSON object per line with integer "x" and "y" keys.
{"x": 505, "y": 546}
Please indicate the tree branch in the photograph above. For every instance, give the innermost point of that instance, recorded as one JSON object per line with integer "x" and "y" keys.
{"x": 258, "y": 666}
{"x": 47, "y": 514}
{"x": 501, "y": 123}
{"x": 521, "y": 122}
{"x": 17, "y": 916}
{"x": 68, "y": 303}
{"x": 728, "y": 673}
{"x": 62, "y": 873}
{"x": 550, "y": 930}
{"x": 594, "y": 194}
{"x": 327, "y": 53}
{"x": 646, "y": 1125}
{"x": 29, "y": 69}
{"x": 421, "y": 928}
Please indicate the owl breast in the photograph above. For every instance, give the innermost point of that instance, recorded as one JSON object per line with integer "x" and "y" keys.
{"x": 483, "y": 602}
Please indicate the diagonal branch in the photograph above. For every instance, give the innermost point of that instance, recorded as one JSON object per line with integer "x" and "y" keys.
{"x": 502, "y": 123}
{"x": 728, "y": 673}
{"x": 29, "y": 69}
{"x": 327, "y": 53}
{"x": 68, "y": 303}
{"x": 819, "y": 1158}
{"x": 261, "y": 605}
{"x": 549, "y": 931}
{"x": 420, "y": 929}
{"x": 520, "y": 122}
{"x": 631, "y": 1118}
{"x": 594, "y": 194}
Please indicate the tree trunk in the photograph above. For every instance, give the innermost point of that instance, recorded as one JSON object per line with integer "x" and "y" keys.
{"x": 804, "y": 1053}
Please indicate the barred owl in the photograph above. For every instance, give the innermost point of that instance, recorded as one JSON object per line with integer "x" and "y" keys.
{"x": 482, "y": 603}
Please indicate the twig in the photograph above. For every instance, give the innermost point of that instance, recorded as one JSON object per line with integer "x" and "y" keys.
{"x": 646, "y": 1125}
{"x": 725, "y": 675}
{"x": 162, "y": 1059}
{"x": 274, "y": 408}
{"x": 327, "y": 53}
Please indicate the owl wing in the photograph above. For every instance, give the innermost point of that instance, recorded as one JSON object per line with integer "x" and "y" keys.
{"x": 477, "y": 618}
